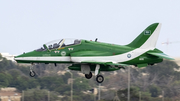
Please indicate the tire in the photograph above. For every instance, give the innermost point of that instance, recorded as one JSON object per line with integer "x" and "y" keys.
{"x": 32, "y": 74}
{"x": 88, "y": 76}
{"x": 99, "y": 78}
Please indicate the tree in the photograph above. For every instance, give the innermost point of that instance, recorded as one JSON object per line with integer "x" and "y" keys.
{"x": 3, "y": 80}
{"x": 154, "y": 90}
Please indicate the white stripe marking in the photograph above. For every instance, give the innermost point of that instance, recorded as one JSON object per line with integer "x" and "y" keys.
{"x": 64, "y": 58}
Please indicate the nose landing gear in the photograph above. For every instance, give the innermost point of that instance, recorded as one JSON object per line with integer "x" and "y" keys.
{"x": 32, "y": 73}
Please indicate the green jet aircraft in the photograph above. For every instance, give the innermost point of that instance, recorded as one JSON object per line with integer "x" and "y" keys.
{"x": 87, "y": 56}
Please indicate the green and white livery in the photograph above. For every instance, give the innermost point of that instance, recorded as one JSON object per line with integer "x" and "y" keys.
{"x": 87, "y": 56}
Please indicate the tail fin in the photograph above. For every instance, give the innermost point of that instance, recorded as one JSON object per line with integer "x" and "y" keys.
{"x": 148, "y": 38}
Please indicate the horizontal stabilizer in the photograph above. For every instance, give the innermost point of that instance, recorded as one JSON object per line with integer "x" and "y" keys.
{"x": 162, "y": 55}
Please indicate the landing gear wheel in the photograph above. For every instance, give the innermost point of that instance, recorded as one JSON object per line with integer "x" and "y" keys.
{"x": 32, "y": 73}
{"x": 88, "y": 76}
{"x": 99, "y": 78}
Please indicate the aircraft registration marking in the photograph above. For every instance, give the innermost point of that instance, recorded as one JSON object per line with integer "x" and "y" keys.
{"x": 141, "y": 59}
{"x": 44, "y": 55}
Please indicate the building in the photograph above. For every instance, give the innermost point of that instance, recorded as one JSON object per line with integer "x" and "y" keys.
{"x": 8, "y": 56}
{"x": 9, "y": 94}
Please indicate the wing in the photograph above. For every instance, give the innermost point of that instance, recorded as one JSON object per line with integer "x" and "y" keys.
{"x": 106, "y": 63}
{"x": 96, "y": 53}
{"x": 162, "y": 55}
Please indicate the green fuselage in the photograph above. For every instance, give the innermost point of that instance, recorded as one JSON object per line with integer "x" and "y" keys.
{"x": 88, "y": 49}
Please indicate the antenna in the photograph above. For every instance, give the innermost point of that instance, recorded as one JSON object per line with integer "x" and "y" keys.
{"x": 96, "y": 39}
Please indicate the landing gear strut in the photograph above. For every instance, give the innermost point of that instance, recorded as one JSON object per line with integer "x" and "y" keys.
{"x": 88, "y": 76}
{"x": 99, "y": 78}
{"x": 32, "y": 73}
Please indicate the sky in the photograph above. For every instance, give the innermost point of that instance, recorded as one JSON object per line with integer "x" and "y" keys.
{"x": 26, "y": 25}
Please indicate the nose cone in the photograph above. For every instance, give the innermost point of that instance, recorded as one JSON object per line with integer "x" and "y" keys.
{"x": 16, "y": 57}
{"x": 24, "y": 58}
{"x": 19, "y": 58}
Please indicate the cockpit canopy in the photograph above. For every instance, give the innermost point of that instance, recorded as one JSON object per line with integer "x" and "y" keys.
{"x": 59, "y": 44}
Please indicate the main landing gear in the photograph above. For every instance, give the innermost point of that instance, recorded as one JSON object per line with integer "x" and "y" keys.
{"x": 32, "y": 73}
{"x": 88, "y": 76}
{"x": 99, "y": 78}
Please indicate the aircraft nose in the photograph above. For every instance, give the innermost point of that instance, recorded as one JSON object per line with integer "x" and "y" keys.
{"x": 18, "y": 57}
{"x": 24, "y": 58}
{"x": 15, "y": 58}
